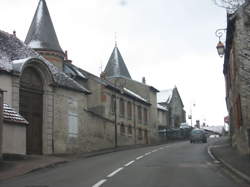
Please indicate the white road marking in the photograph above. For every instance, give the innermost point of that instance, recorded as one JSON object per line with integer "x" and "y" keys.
{"x": 100, "y": 183}
{"x": 129, "y": 163}
{"x": 154, "y": 150}
{"x": 139, "y": 157}
{"x": 115, "y": 172}
{"x": 146, "y": 154}
{"x": 161, "y": 148}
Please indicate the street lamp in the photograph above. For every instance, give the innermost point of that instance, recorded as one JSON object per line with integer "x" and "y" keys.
{"x": 220, "y": 46}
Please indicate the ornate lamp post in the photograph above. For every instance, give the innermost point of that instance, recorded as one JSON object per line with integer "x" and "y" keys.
{"x": 220, "y": 46}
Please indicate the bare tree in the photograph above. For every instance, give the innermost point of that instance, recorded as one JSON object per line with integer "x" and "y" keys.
{"x": 230, "y": 5}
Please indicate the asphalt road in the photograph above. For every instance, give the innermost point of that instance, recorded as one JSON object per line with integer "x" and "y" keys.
{"x": 171, "y": 165}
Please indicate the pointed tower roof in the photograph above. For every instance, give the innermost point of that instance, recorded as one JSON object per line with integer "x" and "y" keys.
{"x": 42, "y": 34}
{"x": 116, "y": 66}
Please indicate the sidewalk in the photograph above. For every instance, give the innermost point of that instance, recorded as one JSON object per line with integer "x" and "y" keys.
{"x": 19, "y": 165}
{"x": 230, "y": 158}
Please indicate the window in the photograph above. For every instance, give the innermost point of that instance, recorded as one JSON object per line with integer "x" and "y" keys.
{"x": 140, "y": 134}
{"x": 145, "y": 115}
{"x": 129, "y": 110}
{"x": 139, "y": 113}
{"x": 130, "y": 132}
{"x": 122, "y": 129}
{"x": 72, "y": 125}
{"x": 122, "y": 107}
{"x": 113, "y": 104}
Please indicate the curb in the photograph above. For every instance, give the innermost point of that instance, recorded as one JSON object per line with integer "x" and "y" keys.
{"x": 227, "y": 165}
{"x": 47, "y": 166}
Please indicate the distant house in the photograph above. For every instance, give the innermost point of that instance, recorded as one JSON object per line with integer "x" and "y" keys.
{"x": 237, "y": 77}
{"x": 171, "y": 100}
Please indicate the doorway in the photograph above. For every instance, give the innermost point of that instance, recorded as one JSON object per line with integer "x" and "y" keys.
{"x": 31, "y": 108}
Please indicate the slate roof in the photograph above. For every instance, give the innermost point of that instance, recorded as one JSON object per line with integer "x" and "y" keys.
{"x": 14, "y": 54}
{"x": 10, "y": 115}
{"x": 41, "y": 34}
{"x": 164, "y": 96}
{"x": 135, "y": 95}
{"x": 116, "y": 66}
{"x": 160, "y": 107}
{"x": 104, "y": 82}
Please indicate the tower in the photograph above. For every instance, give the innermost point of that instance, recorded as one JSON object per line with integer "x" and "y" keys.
{"x": 116, "y": 66}
{"x": 42, "y": 36}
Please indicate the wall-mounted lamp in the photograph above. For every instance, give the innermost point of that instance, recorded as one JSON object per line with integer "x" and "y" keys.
{"x": 220, "y": 46}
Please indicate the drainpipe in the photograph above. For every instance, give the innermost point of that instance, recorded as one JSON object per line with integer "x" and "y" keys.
{"x": 134, "y": 122}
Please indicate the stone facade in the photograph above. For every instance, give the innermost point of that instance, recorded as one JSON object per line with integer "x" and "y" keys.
{"x": 237, "y": 77}
{"x": 149, "y": 93}
{"x": 69, "y": 109}
{"x": 171, "y": 100}
{"x": 1, "y": 122}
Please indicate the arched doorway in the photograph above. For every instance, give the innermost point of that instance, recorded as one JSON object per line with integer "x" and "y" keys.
{"x": 31, "y": 107}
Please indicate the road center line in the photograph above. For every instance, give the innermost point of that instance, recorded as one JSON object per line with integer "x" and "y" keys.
{"x": 146, "y": 154}
{"x": 129, "y": 163}
{"x": 100, "y": 183}
{"x": 139, "y": 157}
{"x": 114, "y": 172}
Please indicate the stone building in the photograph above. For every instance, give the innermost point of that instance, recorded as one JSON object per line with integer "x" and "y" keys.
{"x": 69, "y": 109}
{"x": 1, "y": 122}
{"x": 171, "y": 100}
{"x": 117, "y": 72}
{"x": 237, "y": 77}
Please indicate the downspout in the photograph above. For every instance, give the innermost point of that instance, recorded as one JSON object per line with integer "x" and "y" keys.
{"x": 134, "y": 122}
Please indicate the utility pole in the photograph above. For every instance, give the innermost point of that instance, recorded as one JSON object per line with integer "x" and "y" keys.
{"x": 115, "y": 121}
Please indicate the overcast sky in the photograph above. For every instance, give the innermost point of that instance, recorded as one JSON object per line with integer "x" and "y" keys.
{"x": 170, "y": 42}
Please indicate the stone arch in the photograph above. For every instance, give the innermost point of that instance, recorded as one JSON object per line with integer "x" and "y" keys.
{"x": 36, "y": 104}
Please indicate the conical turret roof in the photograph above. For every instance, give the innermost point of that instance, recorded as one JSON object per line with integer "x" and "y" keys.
{"x": 116, "y": 66}
{"x": 42, "y": 34}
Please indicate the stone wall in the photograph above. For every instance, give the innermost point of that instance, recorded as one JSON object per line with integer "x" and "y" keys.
{"x": 1, "y": 122}
{"x": 238, "y": 81}
{"x": 14, "y": 138}
{"x": 6, "y": 84}
{"x": 69, "y": 121}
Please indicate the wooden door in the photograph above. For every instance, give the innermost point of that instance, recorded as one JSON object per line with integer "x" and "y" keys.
{"x": 31, "y": 107}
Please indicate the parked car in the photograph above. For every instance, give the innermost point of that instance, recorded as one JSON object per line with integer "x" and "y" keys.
{"x": 198, "y": 135}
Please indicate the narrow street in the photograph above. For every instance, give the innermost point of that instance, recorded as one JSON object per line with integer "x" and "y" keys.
{"x": 169, "y": 165}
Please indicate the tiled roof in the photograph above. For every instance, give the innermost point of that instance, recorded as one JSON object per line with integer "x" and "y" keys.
{"x": 14, "y": 54}
{"x": 10, "y": 115}
{"x": 42, "y": 34}
{"x": 116, "y": 66}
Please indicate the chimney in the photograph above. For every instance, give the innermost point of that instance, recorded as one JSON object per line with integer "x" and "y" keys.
{"x": 14, "y": 33}
{"x": 143, "y": 80}
{"x": 66, "y": 55}
{"x": 66, "y": 58}
{"x": 103, "y": 75}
